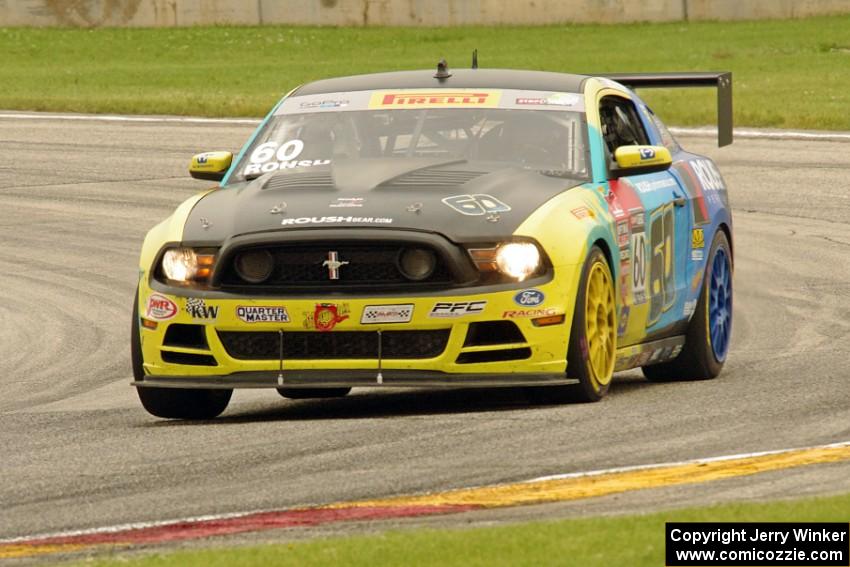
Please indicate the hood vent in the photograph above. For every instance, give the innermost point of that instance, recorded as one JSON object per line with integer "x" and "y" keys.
{"x": 433, "y": 178}
{"x": 318, "y": 180}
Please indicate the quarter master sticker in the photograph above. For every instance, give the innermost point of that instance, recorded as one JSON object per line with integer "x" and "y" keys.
{"x": 262, "y": 314}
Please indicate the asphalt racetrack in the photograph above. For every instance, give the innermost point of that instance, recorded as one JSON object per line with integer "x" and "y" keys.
{"x": 78, "y": 451}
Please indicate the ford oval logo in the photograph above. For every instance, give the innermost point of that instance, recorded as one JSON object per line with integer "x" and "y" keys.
{"x": 529, "y": 297}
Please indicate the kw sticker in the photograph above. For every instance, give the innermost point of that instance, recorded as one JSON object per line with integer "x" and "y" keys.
{"x": 197, "y": 308}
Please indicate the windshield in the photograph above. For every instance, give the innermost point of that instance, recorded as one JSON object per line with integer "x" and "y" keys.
{"x": 331, "y": 128}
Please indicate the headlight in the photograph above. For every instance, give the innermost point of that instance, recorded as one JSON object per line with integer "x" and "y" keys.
{"x": 518, "y": 259}
{"x": 180, "y": 264}
{"x": 184, "y": 265}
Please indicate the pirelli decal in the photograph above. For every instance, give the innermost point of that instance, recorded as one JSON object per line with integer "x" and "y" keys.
{"x": 456, "y": 98}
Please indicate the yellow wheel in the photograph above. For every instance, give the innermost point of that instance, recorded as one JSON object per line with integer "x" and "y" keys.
{"x": 593, "y": 337}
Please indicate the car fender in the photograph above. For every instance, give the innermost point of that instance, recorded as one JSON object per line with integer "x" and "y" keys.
{"x": 169, "y": 230}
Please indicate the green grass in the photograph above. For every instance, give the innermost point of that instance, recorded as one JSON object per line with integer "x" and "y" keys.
{"x": 787, "y": 73}
{"x": 626, "y": 540}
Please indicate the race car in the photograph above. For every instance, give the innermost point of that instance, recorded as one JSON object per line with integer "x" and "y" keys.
{"x": 464, "y": 228}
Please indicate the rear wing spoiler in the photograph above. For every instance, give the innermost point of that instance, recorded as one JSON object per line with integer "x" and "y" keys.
{"x": 722, "y": 81}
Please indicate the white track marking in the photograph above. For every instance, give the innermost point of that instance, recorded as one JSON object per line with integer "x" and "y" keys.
{"x": 765, "y": 133}
{"x": 677, "y": 130}
{"x": 215, "y": 517}
{"x": 119, "y": 118}
{"x": 683, "y": 463}
{"x": 132, "y": 526}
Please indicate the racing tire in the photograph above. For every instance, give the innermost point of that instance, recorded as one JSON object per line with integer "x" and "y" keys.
{"x": 180, "y": 403}
{"x": 710, "y": 329}
{"x": 307, "y": 393}
{"x": 593, "y": 337}
{"x": 172, "y": 403}
{"x": 136, "y": 342}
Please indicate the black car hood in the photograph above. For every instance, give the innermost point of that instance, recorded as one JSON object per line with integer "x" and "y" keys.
{"x": 408, "y": 194}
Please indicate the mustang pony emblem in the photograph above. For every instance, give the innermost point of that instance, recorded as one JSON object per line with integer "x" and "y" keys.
{"x": 333, "y": 264}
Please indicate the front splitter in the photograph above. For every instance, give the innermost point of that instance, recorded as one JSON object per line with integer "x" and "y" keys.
{"x": 352, "y": 379}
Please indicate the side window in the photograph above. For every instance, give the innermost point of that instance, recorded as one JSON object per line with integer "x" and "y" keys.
{"x": 666, "y": 137}
{"x": 621, "y": 125}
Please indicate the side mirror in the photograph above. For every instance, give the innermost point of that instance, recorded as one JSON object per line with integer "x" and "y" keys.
{"x": 210, "y": 166}
{"x": 634, "y": 160}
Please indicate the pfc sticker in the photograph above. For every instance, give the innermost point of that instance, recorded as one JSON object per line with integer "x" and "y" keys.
{"x": 457, "y": 309}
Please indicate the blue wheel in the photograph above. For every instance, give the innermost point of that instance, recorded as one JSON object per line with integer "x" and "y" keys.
{"x": 710, "y": 329}
{"x": 720, "y": 304}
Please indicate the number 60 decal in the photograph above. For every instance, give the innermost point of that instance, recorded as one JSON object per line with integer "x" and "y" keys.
{"x": 287, "y": 151}
{"x": 662, "y": 273}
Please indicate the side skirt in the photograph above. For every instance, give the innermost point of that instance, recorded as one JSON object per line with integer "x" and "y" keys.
{"x": 652, "y": 352}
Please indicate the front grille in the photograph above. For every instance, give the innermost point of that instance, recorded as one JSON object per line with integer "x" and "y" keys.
{"x": 302, "y": 265}
{"x": 494, "y": 355}
{"x": 187, "y": 358}
{"x": 493, "y": 333}
{"x": 189, "y": 336}
{"x": 301, "y": 345}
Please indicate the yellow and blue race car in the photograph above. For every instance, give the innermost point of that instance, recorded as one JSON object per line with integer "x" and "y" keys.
{"x": 475, "y": 228}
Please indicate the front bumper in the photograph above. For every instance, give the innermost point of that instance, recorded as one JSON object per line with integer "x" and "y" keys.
{"x": 354, "y": 378}
{"x": 537, "y": 356}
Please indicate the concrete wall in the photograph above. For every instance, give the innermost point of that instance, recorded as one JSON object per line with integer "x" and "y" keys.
{"x": 395, "y": 12}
